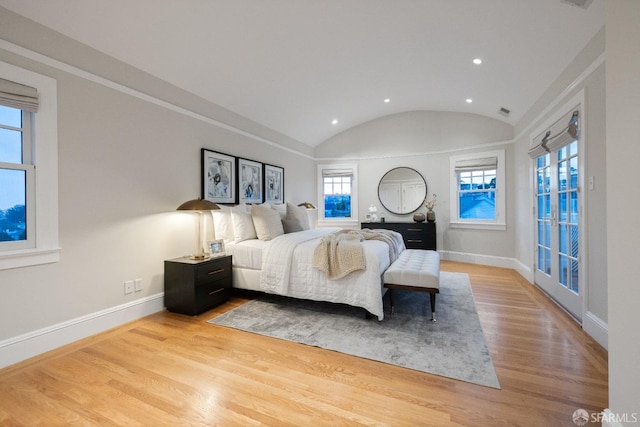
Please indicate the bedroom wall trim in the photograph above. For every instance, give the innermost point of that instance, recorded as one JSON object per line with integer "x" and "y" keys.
{"x": 59, "y": 65}
{"x": 22, "y": 347}
{"x": 597, "y": 328}
{"x": 494, "y": 261}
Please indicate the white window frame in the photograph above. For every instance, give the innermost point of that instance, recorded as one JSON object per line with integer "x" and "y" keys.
{"x": 499, "y": 223}
{"x": 338, "y": 222}
{"x": 45, "y": 173}
{"x": 29, "y": 169}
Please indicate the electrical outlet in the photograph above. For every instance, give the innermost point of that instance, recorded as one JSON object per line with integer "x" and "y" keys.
{"x": 138, "y": 285}
{"x": 128, "y": 287}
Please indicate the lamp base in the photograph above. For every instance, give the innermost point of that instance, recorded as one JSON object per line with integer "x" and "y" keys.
{"x": 203, "y": 256}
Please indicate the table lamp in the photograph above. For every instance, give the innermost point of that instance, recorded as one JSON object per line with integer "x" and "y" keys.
{"x": 199, "y": 205}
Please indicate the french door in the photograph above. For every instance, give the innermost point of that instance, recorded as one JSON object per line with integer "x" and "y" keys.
{"x": 558, "y": 226}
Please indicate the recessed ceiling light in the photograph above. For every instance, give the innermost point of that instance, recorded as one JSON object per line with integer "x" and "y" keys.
{"x": 469, "y": 100}
{"x": 334, "y": 121}
{"x": 387, "y": 100}
{"x": 477, "y": 61}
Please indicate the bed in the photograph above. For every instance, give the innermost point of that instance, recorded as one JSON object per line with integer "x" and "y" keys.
{"x": 282, "y": 263}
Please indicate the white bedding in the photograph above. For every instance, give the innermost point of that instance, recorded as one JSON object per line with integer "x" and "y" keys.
{"x": 247, "y": 254}
{"x": 286, "y": 269}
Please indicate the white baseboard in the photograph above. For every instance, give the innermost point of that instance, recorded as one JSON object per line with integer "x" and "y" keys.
{"x": 22, "y": 347}
{"x": 596, "y": 328}
{"x": 494, "y": 261}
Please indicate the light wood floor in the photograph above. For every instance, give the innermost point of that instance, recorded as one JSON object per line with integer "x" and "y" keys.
{"x": 170, "y": 369}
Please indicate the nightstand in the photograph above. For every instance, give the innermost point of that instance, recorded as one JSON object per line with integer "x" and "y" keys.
{"x": 193, "y": 286}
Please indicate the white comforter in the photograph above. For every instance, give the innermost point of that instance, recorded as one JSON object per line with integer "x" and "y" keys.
{"x": 287, "y": 270}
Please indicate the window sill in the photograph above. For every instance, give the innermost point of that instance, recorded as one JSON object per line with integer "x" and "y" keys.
{"x": 28, "y": 257}
{"x": 479, "y": 225}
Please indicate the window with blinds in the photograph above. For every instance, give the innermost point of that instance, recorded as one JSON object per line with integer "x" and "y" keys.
{"x": 18, "y": 104}
{"x": 338, "y": 192}
{"x": 477, "y": 189}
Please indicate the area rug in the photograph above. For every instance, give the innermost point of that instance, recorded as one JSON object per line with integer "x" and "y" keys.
{"x": 453, "y": 347}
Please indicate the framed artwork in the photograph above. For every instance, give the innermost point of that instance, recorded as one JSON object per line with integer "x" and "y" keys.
{"x": 250, "y": 181}
{"x": 218, "y": 177}
{"x": 216, "y": 248}
{"x": 273, "y": 184}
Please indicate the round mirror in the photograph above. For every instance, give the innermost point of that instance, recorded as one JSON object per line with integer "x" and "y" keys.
{"x": 402, "y": 190}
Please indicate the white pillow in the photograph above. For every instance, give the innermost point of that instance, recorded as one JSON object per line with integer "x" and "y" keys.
{"x": 281, "y": 209}
{"x": 242, "y": 224}
{"x": 266, "y": 222}
{"x": 299, "y": 213}
{"x": 223, "y": 225}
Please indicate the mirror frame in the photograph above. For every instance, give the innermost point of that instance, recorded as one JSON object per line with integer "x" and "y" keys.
{"x": 418, "y": 175}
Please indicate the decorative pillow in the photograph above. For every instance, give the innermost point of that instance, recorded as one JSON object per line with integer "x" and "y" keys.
{"x": 266, "y": 222}
{"x": 299, "y": 213}
{"x": 223, "y": 225}
{"x": 291, "y": 225}
{"x": 281, "y": 209}
{"x": 242, "y": 224}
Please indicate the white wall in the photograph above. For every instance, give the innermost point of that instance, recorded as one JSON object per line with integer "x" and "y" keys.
{"x": 126, "y": 161}
{"x": 424, "y": 141}
{"x": 623, "y": 152}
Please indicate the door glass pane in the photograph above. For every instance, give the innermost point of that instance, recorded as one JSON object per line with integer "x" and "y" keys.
{"x": 574, "y": 207}
{"x": 573, "y": 170}
{"x": 547, "y": 206}
{"x": 547, "y": 180}
{"x": 574, "y": 241}
{"x": 547, "y": 261}
{"x": 573, "y": 148}
{"x": 547, "y": 234}
{"x": 540, "y": 232}
{"x": 563, "y": 238}
{"x": 13, "y": 218}
{"x": 562, "y": 207}
{"x": 562, "y": 176}
{"x": 562, "y": 260}
{"x": 574, "y": 276}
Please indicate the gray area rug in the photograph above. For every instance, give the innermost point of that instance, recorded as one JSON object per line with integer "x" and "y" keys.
{"x": 453, "y": 347}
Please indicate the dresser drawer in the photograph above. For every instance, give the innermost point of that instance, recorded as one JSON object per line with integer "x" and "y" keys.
{"x": 415, "y": 235}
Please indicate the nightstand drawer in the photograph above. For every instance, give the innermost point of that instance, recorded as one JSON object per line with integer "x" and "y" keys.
{"x": 212, "y": 294}
{"x": 213, "y": 271}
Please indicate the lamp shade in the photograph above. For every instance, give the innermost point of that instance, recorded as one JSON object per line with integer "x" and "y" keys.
{"x": 307, "y": 205}
{"x": 198, "y": 205}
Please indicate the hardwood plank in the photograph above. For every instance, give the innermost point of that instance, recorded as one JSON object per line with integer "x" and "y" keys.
{"x": 170, "y": 369}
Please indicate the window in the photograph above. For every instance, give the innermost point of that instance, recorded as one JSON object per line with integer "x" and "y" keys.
{"x": 28, "y": 168}
{"x": 477, "y": 190}
{"x": 17, "y": 228}
{"x": 338, "y": 201}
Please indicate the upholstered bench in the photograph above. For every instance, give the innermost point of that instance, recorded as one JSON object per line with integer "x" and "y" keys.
{"x": 415, "y": 270}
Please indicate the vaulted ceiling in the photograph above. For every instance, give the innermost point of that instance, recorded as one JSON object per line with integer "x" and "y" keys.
{"x": 297, "y": 65}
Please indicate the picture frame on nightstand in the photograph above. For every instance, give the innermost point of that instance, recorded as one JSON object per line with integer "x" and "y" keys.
{"x": 216, "y": 248}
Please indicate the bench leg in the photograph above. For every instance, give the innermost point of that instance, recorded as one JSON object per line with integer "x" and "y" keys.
{"x": 391, "y": 300}
{"x": 433, "y": 306}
